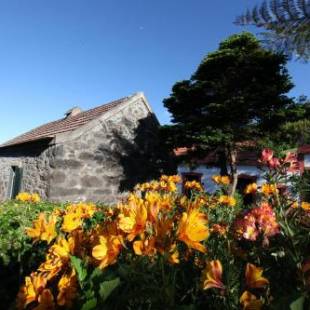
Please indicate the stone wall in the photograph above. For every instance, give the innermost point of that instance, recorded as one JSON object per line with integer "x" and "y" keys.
{"x": 98, "y": 162}
{"x": 35, "y": 159}
{"x": 106, "y": 160}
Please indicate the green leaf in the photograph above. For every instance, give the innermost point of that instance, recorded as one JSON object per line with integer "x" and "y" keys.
{"x": 107, "y": 287}
{"x": 79, "y": 267}
{"x": 90, "y": 304}
{"x": 298, "y": 304}
{"x": 96, "y": 273}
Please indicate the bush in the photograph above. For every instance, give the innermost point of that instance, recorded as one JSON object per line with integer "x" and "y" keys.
{"x": 18, "y": 256}
{"x": 159, "y": 249}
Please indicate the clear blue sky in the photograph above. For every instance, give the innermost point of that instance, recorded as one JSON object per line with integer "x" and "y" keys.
{"x": 62, "y": 53}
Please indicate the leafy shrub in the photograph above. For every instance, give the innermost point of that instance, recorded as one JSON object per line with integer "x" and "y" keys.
{"x": 18, "y": 256}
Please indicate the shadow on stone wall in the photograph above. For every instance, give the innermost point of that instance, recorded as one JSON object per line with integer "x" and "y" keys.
{"x": 141, "y": 159}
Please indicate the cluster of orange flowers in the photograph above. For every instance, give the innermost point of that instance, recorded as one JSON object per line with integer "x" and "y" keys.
{"x": 56, "y": 273}
{"x": 212, "y": 278}
{"x": 151, "y": 221}
{"x": 221, "y": 180}
{"x": 257, "y": 221}
{"x": 27, "y": 197}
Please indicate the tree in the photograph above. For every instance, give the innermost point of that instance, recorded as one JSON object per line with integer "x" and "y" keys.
{"x": 295, "y": 131}
{"x": 238, "y": 93}
{"x": 287, "y": 22}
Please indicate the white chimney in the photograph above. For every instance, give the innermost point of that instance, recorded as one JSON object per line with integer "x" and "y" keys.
{"x": 72, "y": 112}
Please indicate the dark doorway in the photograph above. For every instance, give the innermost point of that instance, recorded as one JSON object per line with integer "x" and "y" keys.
{"x": 15, "y": 181}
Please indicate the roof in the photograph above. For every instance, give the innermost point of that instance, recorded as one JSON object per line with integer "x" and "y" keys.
{"x": 305, "y": 149}
{"x": 248, "y": 157}
{"x": 50, "y": 130}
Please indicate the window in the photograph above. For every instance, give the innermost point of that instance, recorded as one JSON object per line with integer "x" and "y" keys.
{"x": 15, "y": 181}
{"x": 243, "y": 181}
{"x": 190, "y": 176}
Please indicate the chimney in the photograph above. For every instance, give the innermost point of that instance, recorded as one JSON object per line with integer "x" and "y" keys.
{"x": 72, "y": 112}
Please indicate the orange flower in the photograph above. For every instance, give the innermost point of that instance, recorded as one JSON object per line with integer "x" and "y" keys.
{"x": 227, "y": 200}
{"x": 145, "y": 247}
{"x": 27, "y": 197}
{"x": 33, "y": 287}
{"x": 46, "y": 301}
{"x": 133, "y": 218}
{"x": 193, "y": 185}
{"x": 253, "y": 276}
{"x": 213, "y": 276}
{"x": 269, "y": 189}
{"x": 251, "y": 188}
{"x": 71, "y": 221}
{"x": 193, "y": 229}
{"x": 107, "y": 250}
{"x": 174, "y": 255}
{"x": 223, "y": 180}
{"x": 63, "y": 248}
{"x": 219, "y": 229}
{"x": 250, "y": 302}
{"x": 67, "y": 287}
{"x": 43, "y": 229}
{"x": 305, "y": 206}
{"x": 51, "y": 267}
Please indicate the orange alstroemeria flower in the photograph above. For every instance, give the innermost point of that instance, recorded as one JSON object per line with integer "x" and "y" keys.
{"x": 254, "y": 278}
{"x": 107, "y": 250}
{"x": 250, "y": 302}
{"x": 222, "y": 180}
{"x": 227, "y": 200}
{"x": 213, "y": 276}
{"x": 251, "y": 189}
{"x": 43, "y": 229}
{"x": 193, "y": 185}
{"x": 269, "y": 189}
{"x": 67, "y": 288}
{"x": 33, "y": 287}
{"x": 133, "y": 218}
{"x": 174, "y": 255}
{"x": 63, "y": 248}
{"x": 145, "y": 247}
{"x": 193, "y": 229}
{"x": 51, "y": 267}
{"x": 305, "y": 206}
{"x": 220, "y": 229}
{"x": 71, "y": 221}
{"x": 46, "y": 301}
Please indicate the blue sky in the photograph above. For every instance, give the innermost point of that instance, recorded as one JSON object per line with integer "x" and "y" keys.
{"x": 63, "y": 53}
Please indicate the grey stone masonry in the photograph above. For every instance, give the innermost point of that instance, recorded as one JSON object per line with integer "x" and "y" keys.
{"x": 100, "y": 161}
{"x": 35, "y": 159}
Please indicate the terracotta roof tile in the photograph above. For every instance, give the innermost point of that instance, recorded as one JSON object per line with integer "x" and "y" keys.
{"x": 244, "y": 157}
{"x": 63, "y": 125}
{"x": 305, "y": 149}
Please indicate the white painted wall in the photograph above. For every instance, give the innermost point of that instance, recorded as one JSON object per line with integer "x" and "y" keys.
{"x": 208, "y": 172}
{"x": 307, "y": 161}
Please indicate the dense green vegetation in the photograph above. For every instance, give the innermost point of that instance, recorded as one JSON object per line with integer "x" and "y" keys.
{"x": 18, "y": 255}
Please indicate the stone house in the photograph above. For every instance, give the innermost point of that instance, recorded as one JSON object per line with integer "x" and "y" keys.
{"x": 94, "y": 155}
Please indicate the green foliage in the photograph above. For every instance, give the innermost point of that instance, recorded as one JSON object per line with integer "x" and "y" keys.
{"x": 287, "y": 22}
{"x": 236, "y": 93}
{"x": 18, "y": 254}
{"x": 96, "y": 285}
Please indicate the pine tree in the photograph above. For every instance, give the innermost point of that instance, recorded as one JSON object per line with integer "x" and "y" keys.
{"x": 238, "y": 93}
